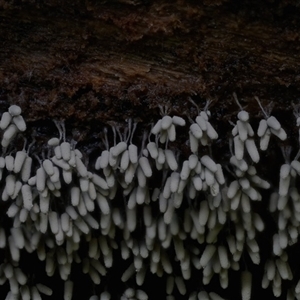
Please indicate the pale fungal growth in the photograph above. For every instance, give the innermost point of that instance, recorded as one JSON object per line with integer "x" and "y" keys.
{"x": 11, "y": 122}
{"x": 244, "y": 136}
{"x": 268, "y": 126}
{"x": 165, "y": 128}
{"x": 149, "y": 211}
{"x": 201, "y": 131}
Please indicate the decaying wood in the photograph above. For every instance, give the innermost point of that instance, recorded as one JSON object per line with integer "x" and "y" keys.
{"x": 100, "y": 61}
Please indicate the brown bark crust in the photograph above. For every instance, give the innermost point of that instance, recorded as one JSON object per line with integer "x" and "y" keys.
{"x": 109, "y": 60}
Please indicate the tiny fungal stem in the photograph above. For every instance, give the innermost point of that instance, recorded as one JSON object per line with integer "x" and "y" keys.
{"x": 237, "y": 101}
{"x": 259, "y": 103}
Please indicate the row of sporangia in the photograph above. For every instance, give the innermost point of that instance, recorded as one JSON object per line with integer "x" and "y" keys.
{"x": 167, "y": 216}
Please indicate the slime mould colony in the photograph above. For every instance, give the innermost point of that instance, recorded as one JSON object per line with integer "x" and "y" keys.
{"x": 174, "y": 217}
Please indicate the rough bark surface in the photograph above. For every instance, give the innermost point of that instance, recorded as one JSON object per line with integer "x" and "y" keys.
{"x": 102, "y": 61}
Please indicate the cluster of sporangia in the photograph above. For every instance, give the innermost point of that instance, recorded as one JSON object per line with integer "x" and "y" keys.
{"x": 173, "y": 214}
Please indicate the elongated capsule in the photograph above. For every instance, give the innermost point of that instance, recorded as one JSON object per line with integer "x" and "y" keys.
{"x": 26, "y": 169}
{"x": 119, "y": 148}
{"x": 211, "y": 132}
{"x": 178, "y": 121}
{"x": 124, "y": 161}
{"x": 234, "y": 130}
{"x": 44, "y": 203}
{"x": 209, "y": 163}
{"x": 166, "y": 122}
{"x": 171, "y": 160}
{"x": 252, "y": 150}
{"x": 197, "y": 182}
{"x": 207, "y": 254}
{"x": 19, "y": 161}
{"x": 48, "y": 167}
{"x": 65, "y": 150}
{"x": 130, "y": 173}
{"x": 196, "y": 131}
{"x": 75, "y": 195}
{"x": 205, "y": 114}
{"x": 67, "y": 176}
{"x": 233, "y": 189}
{"x": 9, "y": 162}
{"x": 142, "y": 195}
{"x": 5, "y": 120}
{"x": 180, "y": 285}
{"x": 53, "y": 142}
{"x": 285, "y": 170}
{"x": 174, "y": 183}
{"x": 35, "y": 295}
{"x": 128, "y": 273}
{"x": 167, "y": 189}
{"x": 65, "y": 222}
{"x": 219, "y": 175}
{"x": 203, "y": 295}
{"x": 264, "y": 141}
{"x": 103, "y": 204}
{"x": 92, "y": 193}
{"x": 172, "y": 133}
{"x": 25, "y": 292}
{"x": 238, "y": 147}
{"x": 194, "y": 143}
{"x": 133, "y": 153}
{"x": 273, "y": 123}
{"x": 17, "y": 189}
{"x": 82, "y": 226}
{"x": 142, "y": 179}
{"x": 281, "y": 134}
{"x": 105, "y": 296}
{"x": 100, "y": 182}
{"x": 44, "y": 289}
{"x": 72, "y": 160}
{"x": 19, "y": 122}
{"x": 209, "y": 177}
{"x": 153, "y": 150}
{"x": 145, "y": 166}
{"x": 284, "y": 184}
{"x": 81, "y": 168}
{"x": 70, "y": 210}
{"x": 61, "y": 163}
{"x": 242, "y": 130}
{"x": 104, "y": 159}
{"x": 53, "y": 221}
{"x": 203, "y": 213}
{"x": 157, "y": 127}
{"x": 84, "y": 184}
{"x": 161, "y": 156}
{"x": 18, "y": 237}
{"x": 246, "y": 283}
{"x": 68, "y": 290}
{"x": 27, "y": 196}
{"x": 223, "y": 257}
{"x": 10, "y": 184}
{"x": 185, "y": 171}
{"x": 163, "y": 136}
{"x": 262, "y": 128}
{"x": 202, "y": 123}
{"x": 9, "y": 134}
{"x": 40, "y": 179}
